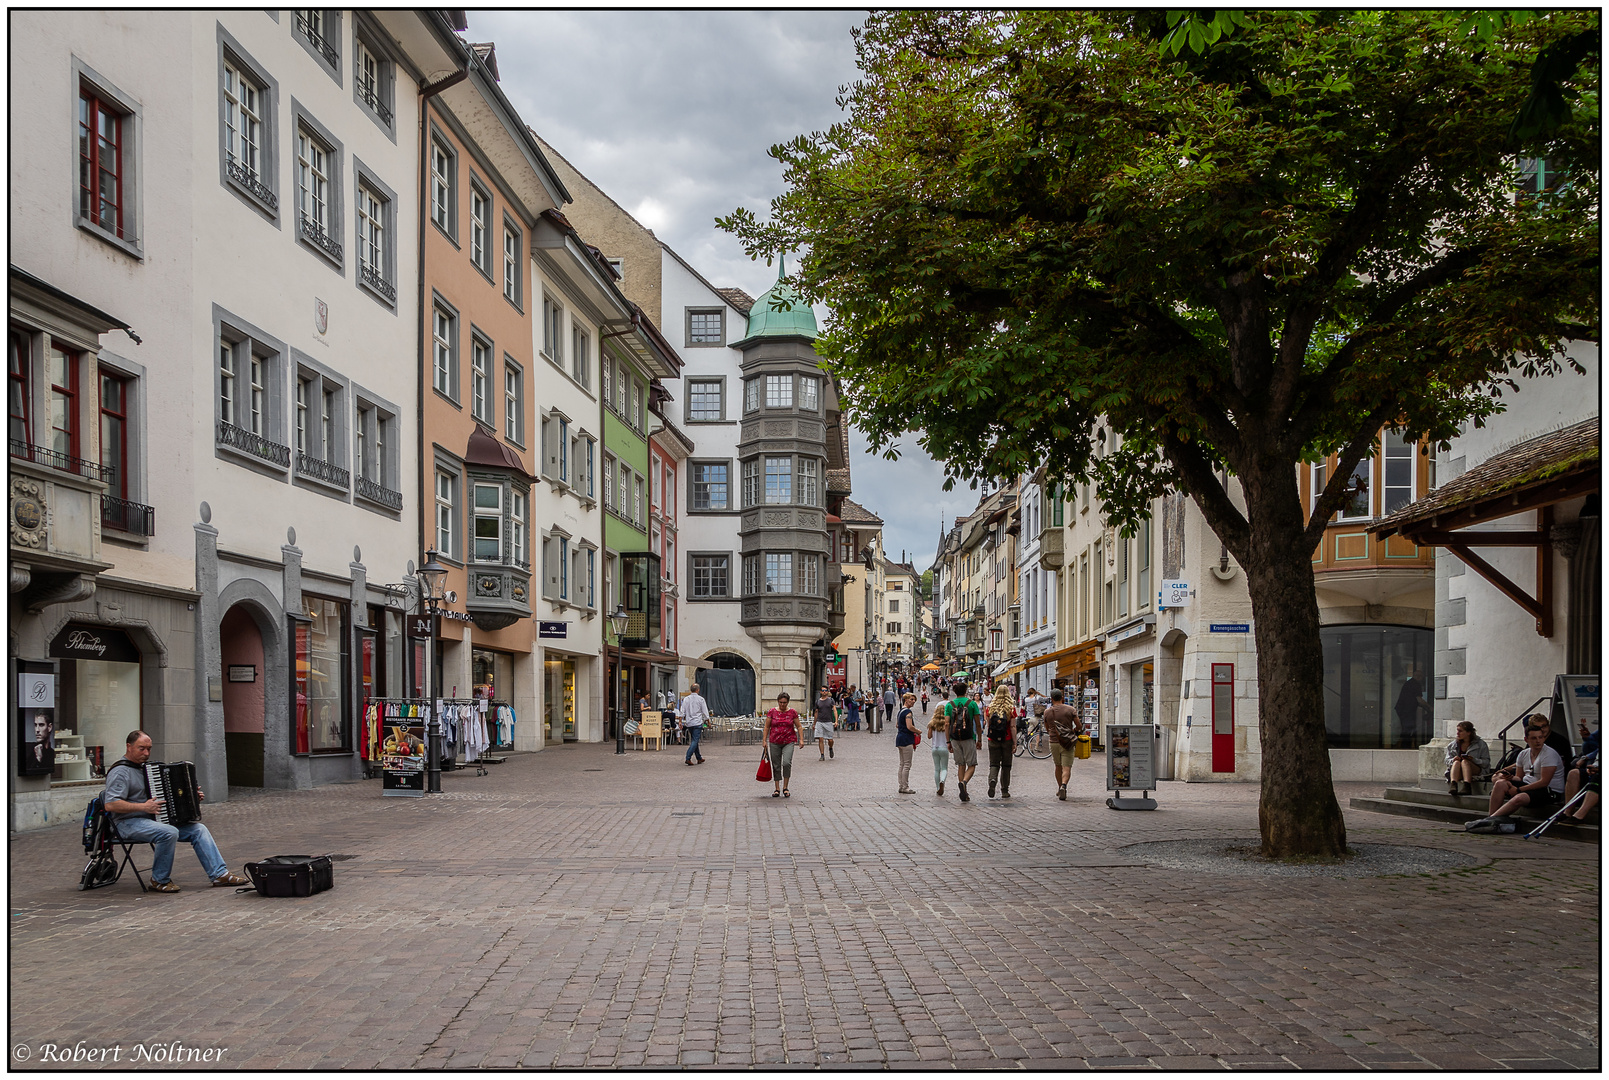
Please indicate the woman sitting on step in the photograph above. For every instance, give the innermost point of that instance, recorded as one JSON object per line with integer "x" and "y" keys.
{"x": 1468, "y": 760}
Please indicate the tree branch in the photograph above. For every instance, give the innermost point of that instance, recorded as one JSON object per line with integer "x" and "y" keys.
{"x": 1320, "y": 391}
{"x": 1201, "y": 483}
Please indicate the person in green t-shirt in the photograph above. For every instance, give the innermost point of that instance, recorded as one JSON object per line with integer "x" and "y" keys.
{"x": 964, "y": 717}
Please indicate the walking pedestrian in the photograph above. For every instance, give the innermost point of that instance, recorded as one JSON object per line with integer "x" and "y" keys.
{"x": 695, "y": 710}
{"x": 938, "y": 733}
{"x": 826, "y": 724}
{"x": 924, "y": 699}
{"x": 964, "y": 716}
{"x": 783, "y": 732}
{"x": 852, "y": 707}
{"x": 905, "y": 742}
{"x": 1002, "y": 741}
{"x": 889, "y": 701}
{"x": 1063, "y": 725}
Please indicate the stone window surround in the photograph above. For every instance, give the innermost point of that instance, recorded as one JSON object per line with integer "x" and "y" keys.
{"x": 132, "y": 143}
{"x": 302, "y": 118}
{"x": 687, "y": 407}
{"x": 731, "y": 593}
{"x": 454, "y": 373}
{"x": 231, "y": 50}
{"x": 687, "y": 327}
{"x": 387, "y": 420}
{"x": 364, "y": 176}
{"x": 373, "y": 38}
{"x": 445, "y": 462}
{"x": 275, "y": 352}
{"x": 332, "y": 35}
{"x": 731, "y": 486}
{"x": 339, "y": 454}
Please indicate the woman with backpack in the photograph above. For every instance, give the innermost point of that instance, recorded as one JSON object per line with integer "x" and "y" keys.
{"x": 938, "y": 733}
{"x": 1001, "y": 730}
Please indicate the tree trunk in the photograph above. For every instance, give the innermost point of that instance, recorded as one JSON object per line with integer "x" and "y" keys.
{"x": 1298, "y": 814}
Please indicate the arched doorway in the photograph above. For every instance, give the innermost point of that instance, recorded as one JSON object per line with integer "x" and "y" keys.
{"x": 244, "y": 683}
{"x": 728, "y": 685}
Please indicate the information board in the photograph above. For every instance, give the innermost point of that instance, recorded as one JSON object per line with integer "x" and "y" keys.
{"x": 1131, "y": 757}
{"x": 1579, "y": 696}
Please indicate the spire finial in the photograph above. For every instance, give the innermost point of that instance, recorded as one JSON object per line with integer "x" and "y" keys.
{"x": 782, "y": 265}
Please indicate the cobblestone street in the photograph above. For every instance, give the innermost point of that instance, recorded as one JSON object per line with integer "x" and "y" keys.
{"x": 577, "y": 909}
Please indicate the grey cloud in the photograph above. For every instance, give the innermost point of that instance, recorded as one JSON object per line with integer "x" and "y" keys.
{"x": 672, "y": 112}
{"x": 677, "y": 110}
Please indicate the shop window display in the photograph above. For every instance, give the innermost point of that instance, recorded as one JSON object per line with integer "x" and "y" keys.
{"x": 1375, "y": 686}
{"x": 321, "y": 658}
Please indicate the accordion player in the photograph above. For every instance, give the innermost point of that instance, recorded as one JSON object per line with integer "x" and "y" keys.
{"x": 173, "y": 784}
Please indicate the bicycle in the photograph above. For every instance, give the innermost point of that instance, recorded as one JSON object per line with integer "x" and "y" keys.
{"x": 1036, "y": 741}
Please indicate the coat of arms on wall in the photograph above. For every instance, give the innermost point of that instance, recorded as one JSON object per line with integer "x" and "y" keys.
{"x": 321, "y": 316}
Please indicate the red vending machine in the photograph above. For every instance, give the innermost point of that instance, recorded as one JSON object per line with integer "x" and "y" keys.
{"x": 1223, "y": 718}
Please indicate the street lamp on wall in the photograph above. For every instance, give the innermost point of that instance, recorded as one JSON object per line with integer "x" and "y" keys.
{"x": 617, "y": 623}
{"x": 432, "y": 593}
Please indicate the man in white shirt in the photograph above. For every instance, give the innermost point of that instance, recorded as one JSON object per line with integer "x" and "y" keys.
{"x": 1536, "y": 779}
{"x": 695, "y": 710}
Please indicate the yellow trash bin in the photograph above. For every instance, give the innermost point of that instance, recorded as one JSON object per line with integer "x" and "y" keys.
{"x": 1081, "y": 747}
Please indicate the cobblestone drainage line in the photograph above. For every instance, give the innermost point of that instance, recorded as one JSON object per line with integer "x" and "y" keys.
{"x": 1228, "y": 856}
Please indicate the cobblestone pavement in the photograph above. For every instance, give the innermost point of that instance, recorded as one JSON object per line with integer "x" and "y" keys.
{"x": 573, "y": 908}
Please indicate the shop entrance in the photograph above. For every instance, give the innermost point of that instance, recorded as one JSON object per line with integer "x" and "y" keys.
{"x": 243, "y": 685}
{"x": 558, "y": 698}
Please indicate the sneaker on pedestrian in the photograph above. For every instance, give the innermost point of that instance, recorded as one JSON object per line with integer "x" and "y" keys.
{"x": 1004, "y": 794}
{"x": 1478, "y": 824}
{"x": 941, "y": 788}
{"x": 991, "y": 789}
{"x": 907, "y": 791}
{"x": 829, "y": 751}
{"x": 1061, "y": 793}
{"x": 963, "y": 786}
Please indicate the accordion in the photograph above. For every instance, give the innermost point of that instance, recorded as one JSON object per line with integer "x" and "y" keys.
{"x": 173, "y": 783}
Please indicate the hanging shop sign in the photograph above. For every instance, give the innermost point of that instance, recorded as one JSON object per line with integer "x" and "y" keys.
{"x": 556, "y": 630}
{"x": 81, "y": 641}
{"x": 1175, "y": 592}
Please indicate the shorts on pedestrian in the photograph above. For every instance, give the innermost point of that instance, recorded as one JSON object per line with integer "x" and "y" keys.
{"x": 1544, "y": 798}
{"x": 1062, "y": 756}
{"x": 965, "y": 752}
{"x": 826, "y": 731}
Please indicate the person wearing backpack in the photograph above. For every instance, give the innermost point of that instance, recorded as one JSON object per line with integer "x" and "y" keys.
{"x": 1002, "y": 740}
{"x": 964, "y": 718}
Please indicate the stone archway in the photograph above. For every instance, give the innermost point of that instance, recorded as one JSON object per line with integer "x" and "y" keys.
{"x": 249, "y": 601}
{"x": 244, "y": 682}
{"x": 729, "y": 684}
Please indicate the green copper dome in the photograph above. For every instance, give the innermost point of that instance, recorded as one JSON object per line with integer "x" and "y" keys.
{"x": 766, "y": 321}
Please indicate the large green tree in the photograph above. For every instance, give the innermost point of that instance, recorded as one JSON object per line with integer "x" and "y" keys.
{"x": 1240, "y": 255}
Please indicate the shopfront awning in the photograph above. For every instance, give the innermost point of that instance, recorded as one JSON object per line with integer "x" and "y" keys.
{"x": 1006, "y": 668}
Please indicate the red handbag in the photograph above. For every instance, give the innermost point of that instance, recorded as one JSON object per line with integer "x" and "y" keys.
{"x": 763, "y": 773}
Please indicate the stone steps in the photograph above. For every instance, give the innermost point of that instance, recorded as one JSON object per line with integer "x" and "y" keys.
{"x": 1457, "y": 809}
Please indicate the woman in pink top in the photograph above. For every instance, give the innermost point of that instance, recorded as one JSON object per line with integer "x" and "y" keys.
{"x": 783, "y": 732}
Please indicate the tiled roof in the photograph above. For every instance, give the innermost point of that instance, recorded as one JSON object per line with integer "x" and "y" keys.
{"x": 1528, "y": 464}
{"x": 838, "y": 481}
{"x": 737, "y": 298}
{"x": 855, "y": 514}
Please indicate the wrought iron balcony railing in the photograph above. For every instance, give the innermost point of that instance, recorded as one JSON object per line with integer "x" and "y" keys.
{"x": 372, "y": 276}
{"x": 371, "y": 97}
{"x": 315, "y": 234}
{"x": 55, "y": 459}
{"x": 368, "y": 489}
{"x": 248, "y": 442}
{"x": 319, "y": 469}
{"x": 248, "y": 180}
{"x": 306, "y": 30}
{"x": 129, "y": 517}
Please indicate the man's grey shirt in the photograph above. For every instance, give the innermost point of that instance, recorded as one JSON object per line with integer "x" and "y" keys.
{"x": 126, "y": 782}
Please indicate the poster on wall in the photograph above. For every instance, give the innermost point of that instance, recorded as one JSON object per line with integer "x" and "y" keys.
{"x": 36, "y": 720}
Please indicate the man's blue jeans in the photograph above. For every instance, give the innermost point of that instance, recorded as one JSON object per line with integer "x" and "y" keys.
{"x": 166, "y": 837}
{"x": 694, "y": 733}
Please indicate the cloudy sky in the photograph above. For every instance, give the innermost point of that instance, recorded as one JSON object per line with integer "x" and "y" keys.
{"x": 671, "y": 113}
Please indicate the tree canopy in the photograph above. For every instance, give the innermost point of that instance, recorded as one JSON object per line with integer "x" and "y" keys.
{"x": 1034, "y": 224}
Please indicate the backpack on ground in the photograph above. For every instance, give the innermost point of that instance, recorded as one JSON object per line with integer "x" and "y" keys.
{"x": 102, "y": 868}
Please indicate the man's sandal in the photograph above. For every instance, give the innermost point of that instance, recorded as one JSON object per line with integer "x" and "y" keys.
{"x": 162, "y": 886}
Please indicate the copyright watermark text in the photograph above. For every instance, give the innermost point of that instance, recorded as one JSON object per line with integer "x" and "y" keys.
{"x": 82, "y": 1053}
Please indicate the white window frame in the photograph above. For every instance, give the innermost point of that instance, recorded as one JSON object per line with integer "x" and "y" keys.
{"x": 513, "y": 401}
{"x": 779, "y": 391}
{"x": 446, "y": 497}
{"x": 481, "y": 354}
{"x": 494, "y": 517}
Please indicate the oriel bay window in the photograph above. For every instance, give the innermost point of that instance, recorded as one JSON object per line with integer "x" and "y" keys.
{"x": 778, "y": 572}
{"x": 640, "y": 578}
